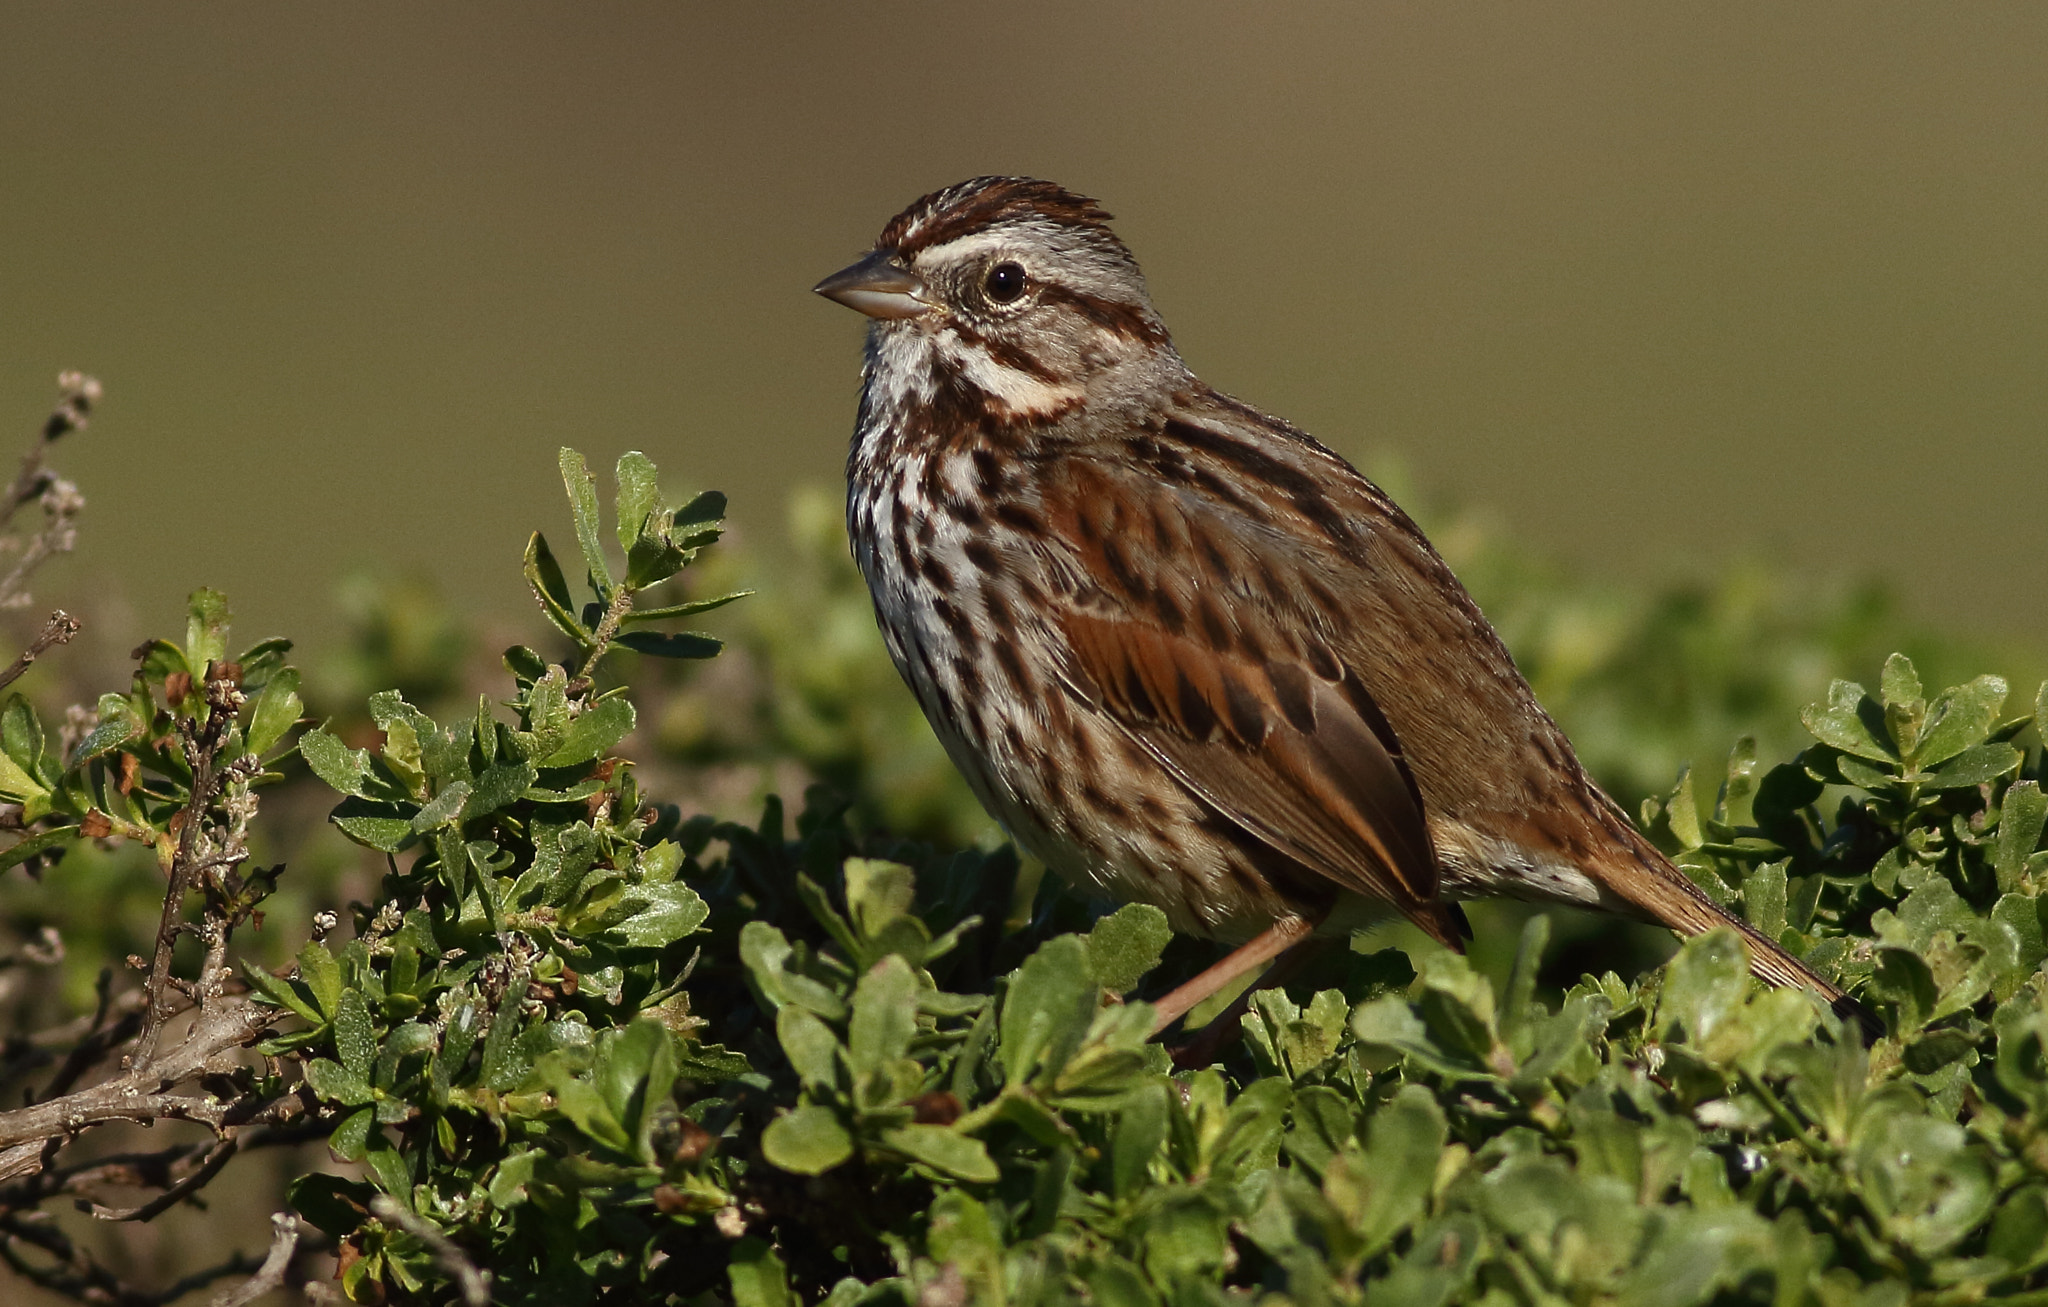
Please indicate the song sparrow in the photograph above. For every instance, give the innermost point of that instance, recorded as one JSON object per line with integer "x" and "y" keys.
{"x": 1184, "y": 653}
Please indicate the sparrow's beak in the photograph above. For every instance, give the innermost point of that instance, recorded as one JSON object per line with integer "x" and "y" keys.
{"x": 877, "y": 287}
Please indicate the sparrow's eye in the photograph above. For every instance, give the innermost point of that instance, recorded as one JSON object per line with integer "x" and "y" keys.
{"x": 1004, "y": 283}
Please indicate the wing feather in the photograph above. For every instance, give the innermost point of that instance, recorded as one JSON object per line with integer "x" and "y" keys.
{"x": 1316, "y": 782}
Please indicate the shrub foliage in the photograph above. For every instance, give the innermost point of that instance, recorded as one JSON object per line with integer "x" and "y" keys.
{"x": 585, "y": 1047}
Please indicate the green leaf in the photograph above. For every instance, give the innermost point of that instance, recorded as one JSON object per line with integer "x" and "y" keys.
{"x": 506, "y": 1061}
{"x": 389, "y": 1169}
{"x": 2022, "y": 815}
{"x": 1851, "y": 721}
{"x": 2022, "y": 913}
{"x": 703, "y": 513}
{"x": 547, "y": 710}
{"x": 810, "y": 1046}
{"x": 1900, "y": 682}
{"x": 1784, "y": 790}
{"x": 355, "y": 1039}
{"x": 638, "y": 489}
{"x": 1126, "y": 944}
{"x": 636, "y": 1069}
{"x": 1516, "y": 1006}
{"x": 2019, "y": 1232}
{"x": 1705, "y": 986}
{"x": 1390, "y": 1026}
{"x": 261, "y": 661}
{"x": 280, "y": 992}
{"x": 1141, "y": 1132}
{"x": 343, "y": 768}
{"x": 763, "y": 951}
{"x": 1863, "y": 775}
{"x": 386, "y": 827}
{"x": 443, "y": 810}
{"x": 351, "y": 1138}
{"x": 19, "y": 783}
{"x": 1961, "y": 718}
{"x": 544, "y": 576}
{"x": 497, "y": 787}
{"x": 508, "y": 1186}
{"x": 1682, "y": 811}
{"x": 1763, "y": 898}
{"x": 338, "y": 1084}
{"x": 22, "y": 850}
{"x": 159, "y": 659}
{"x": 1974, "y": 766}
{"x": 206, "y": 630}
{"x": 582, "y": 489}
{"x": 601, "y": 725}
{"x": 884, "y": 1016}
{"x": 1456, "y": 1004}
{"x": 117, "y": 725}
{"x": 277, "y": 707}
{"x": 672, "y": 644}
{"x": 322, "y": 977}
{"x": 1902, "y": 981}
{"x": 654, "y": 916}
{"x": 1928, "y": 1189}
{"x": 758, "y": 1278}
{"x": 21, "y": 735}
{"x": 877, "y": 893}
{"x": 1382, "y": 1189}
{"x": 945, "y": 1151}
{"x": 1047, "y": 1011}
{"x": 710, "y": 1064}
{"x": 458, "y": 1037}
{"x": 808, "y": 1141}
{"x": 690, "y": 609}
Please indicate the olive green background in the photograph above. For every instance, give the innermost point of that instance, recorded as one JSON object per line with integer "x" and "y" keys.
{"x": 1657, "y": 284}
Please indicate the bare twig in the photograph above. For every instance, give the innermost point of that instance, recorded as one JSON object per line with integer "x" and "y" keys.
{"x": 141, "y": 1094}
{"x": 161, "y": 1169}
{"x": 183, "y": 1036}
{"x": 76, "y": 395}
{"x": 59, "y": 629}
{"x": 99, "y": 1037}
{"x": 203, "y": 740}
{"x": 601, "y": 640}
{"x": 472, "y": 1283}
{"x": 76, "y": 1273}
{"x": 209, "y": 1166}
{"x": 61, "y": 506}
{"x": 284, "y": 1241}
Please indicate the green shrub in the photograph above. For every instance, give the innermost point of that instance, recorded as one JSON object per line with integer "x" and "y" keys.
{"x": 585, "y": 1047}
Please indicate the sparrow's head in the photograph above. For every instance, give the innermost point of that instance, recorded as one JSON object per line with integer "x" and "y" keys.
{"x": 1013, "y": 286}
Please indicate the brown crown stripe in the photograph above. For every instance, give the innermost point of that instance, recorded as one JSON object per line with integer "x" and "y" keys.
{"x": 976, "y": 204}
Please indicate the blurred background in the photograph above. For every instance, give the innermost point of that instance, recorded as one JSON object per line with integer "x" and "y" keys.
{"x": 1707, "y": 342}
{"x": 1652, "y": 285}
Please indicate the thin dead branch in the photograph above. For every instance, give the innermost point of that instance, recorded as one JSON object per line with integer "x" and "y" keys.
{"x": 202, "y": 740}
{"x": 472, "y": 1283}
{"x": 58, "y": 629}
{"x": 284, "y": 1242}
{"x": 36, "y": 483}
{"x": 77, "y": 394}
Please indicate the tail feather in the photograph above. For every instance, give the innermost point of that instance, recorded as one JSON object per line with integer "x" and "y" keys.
{"x": 1667, "y": 896}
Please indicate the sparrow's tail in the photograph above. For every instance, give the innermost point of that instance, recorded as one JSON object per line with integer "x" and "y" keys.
{"x": 1669, "y": 898}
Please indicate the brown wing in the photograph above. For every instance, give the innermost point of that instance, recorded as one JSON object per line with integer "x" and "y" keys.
{"x": 1182, "y": 625}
